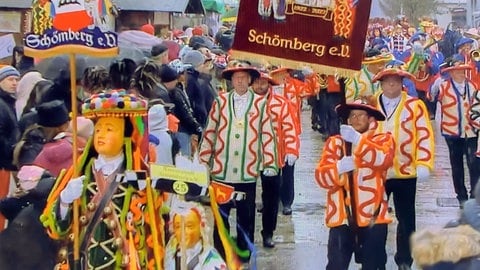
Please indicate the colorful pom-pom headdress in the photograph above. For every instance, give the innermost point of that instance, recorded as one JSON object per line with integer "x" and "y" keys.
{"x": 115, "y": 103}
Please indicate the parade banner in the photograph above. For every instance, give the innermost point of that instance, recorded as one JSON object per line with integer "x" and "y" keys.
{"x": 71, "y": 26}
{"x": 327, "y": 35}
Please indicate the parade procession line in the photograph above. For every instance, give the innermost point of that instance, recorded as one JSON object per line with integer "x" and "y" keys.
{"x": 301, "y": 239}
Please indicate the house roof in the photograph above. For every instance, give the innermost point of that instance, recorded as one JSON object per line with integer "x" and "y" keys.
{"x": 181, "y": 6}
{"x": 16, "y": 4}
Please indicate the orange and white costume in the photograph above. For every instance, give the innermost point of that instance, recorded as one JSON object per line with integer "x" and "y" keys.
{"x": 373, "y": 156}
{"x": 284, "y": 125}
{"x": 455, "y": 108}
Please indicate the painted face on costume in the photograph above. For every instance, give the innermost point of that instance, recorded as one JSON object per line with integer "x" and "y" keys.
{"x": 192, "y": 228}
{"x": 108, "y": 136}
{"x": 360, "y": 120}
{"x": 260, "y": 86}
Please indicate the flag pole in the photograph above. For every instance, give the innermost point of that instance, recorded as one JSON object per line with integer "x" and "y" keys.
{"x": 73, "y": 91}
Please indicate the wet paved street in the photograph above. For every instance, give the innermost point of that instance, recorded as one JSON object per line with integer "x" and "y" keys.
{"x": 301, "y": 239}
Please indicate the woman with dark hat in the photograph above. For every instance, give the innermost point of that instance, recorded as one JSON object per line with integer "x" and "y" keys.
{"x": 359, "y": 228}
{"x": 57, "y": 152}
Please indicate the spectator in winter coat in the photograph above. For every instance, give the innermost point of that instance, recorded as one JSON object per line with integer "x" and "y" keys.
{"x": 57, "y": 153}
{"x": 147, "y": 82}
{"x": 188, "y": 125}
{"x": 25, "y": 86}
{"x": 9, "y": 133}
{"x": 198, "y": 90}
{"x": 159, "y": 136}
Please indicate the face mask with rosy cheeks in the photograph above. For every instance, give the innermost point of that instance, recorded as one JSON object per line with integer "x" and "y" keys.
{"x": 108, "y": 136}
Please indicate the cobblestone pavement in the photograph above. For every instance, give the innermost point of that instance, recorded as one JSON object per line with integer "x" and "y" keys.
{"x": 301, "y": 239}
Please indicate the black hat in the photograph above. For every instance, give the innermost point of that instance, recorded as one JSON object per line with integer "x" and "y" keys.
{"x": 158, "y": 49}
{"x": 244, "y": 66}
{"x": 52, "y": 114}
{"x": 167, "y": 74}
{"x": 343, "y": 110}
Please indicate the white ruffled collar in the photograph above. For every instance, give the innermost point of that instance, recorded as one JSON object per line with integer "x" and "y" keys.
{"x": 108, "y": 166}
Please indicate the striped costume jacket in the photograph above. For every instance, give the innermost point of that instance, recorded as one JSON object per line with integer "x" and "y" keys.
{"x": 284, "y": 125}
{"x": 372, "y": 156}
{"x": 455, "y": 106}
{"x": 237, "y": 149}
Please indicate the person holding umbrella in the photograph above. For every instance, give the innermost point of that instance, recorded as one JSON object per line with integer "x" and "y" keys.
{"x": 359, "y": 227}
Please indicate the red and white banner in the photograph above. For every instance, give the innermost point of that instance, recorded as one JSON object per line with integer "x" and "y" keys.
{"x": 328, "y": 35}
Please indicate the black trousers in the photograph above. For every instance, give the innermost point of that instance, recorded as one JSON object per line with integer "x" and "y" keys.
{"x": 404, "y": 192}
{"x": 333, "y": 122}
{"x": 431, "y": 105}
{"x": 245, "y": 217}
{"x": 457, "y": 148}
{"x": 372, "y": 241}
{"x": 287, "y": 187}
{"x": 315, "y": 117}
{"x": 270, "y": 200}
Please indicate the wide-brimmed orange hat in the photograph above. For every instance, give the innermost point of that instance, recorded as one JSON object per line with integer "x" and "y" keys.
{"x": 456, "y": 62}
{"x": 265, "y": 76}
{"x": 392, "y": 71}
{"x": 343, "y": 110}
{"x": 227, "y": 73}
{"x": 278, "y": 70}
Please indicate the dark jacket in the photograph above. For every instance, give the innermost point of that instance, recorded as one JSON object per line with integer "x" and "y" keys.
{"x": 159, "y": 91}
{"x": 200, "y": 96}
{"x": 210, "y": 92}
{"x": 183, "y": 111}
{"x": 9, "y": 132}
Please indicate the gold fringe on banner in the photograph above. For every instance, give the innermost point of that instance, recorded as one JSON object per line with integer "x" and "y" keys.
{"x": 322, "y": 69}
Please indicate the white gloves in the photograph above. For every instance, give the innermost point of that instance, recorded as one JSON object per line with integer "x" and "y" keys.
{"x": 290, "y": 159}
{"x": 73, "y": 190}
{"x": 269, "y": 172}
{"x": 345, "y": 164}
{"x": 349, "y": 134}
{"x": 423, "y": 173}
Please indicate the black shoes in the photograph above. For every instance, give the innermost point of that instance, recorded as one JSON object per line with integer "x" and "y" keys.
{"x": 404, "y": 267}
{"x": 268, "y": 242}
{"x": 287, "y": 210}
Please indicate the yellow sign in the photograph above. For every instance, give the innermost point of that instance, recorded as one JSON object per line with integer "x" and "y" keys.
{"x": 180, "y": 187}
{"x": 174, "y": 173}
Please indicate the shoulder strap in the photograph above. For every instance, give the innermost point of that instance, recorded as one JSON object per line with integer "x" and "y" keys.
{"x": 112, "y": 187}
